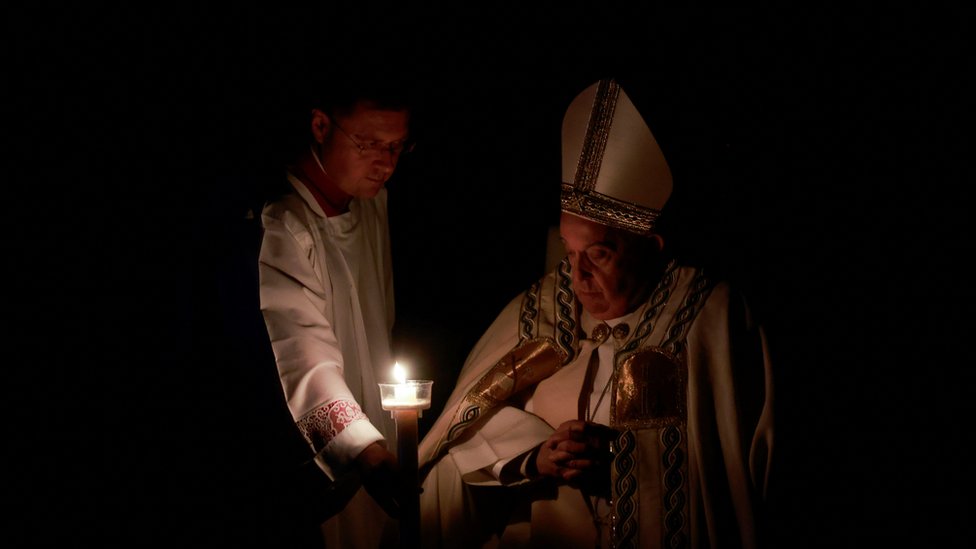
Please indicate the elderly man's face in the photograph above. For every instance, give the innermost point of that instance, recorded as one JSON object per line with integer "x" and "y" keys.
{"x": 606, "y": 266}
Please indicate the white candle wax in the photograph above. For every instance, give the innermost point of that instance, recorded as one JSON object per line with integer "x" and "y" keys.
{"x": 405, "y": 394}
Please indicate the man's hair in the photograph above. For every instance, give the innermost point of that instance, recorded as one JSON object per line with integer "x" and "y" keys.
{"x": 337, "y": 90}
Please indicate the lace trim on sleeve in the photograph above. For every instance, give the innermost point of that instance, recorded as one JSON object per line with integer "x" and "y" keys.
{"x": 321, "y": 425}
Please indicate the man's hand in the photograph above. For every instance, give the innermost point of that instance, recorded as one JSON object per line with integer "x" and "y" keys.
{"x": 578, "y": 452}
{"x": 378, "y": 469}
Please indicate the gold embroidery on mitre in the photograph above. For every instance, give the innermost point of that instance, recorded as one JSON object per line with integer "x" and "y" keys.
{"x": 650, "y": 391}
{"x": 608, "y": 210}
{"x": 597, "y": 133}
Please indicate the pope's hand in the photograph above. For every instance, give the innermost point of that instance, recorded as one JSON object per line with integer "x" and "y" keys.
{"x": 577, "y": 453}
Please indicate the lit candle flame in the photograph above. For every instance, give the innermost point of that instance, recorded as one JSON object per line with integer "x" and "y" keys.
{"x": 399, "y": 373}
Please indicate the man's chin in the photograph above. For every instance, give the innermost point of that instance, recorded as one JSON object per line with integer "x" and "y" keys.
{"x": 593, "y": 305}
{"x": 371, "y": 191}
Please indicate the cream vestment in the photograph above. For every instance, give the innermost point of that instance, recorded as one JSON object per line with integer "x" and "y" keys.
{"x": 690, "y": 398}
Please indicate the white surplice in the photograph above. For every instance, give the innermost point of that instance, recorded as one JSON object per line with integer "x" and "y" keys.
{"x": 327, "y": 298}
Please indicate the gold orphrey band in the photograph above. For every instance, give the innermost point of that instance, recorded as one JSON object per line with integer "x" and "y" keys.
{"x": 597, "y": 132}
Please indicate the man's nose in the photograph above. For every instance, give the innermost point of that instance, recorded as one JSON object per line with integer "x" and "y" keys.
{"x": 387, "y": 158}
{"x": 580, "y": 268}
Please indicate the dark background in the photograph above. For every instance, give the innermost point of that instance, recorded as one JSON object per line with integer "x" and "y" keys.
{"x": 817, "y": 159}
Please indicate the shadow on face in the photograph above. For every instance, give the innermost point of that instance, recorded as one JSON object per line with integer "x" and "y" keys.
{"x": 611, "y": 268}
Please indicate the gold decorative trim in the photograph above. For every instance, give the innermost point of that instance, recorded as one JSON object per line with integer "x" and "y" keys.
{"x": 597, "y": 133}
{"x": 608, "y": 210}
{"x": 524, "y": 366}
{"x": 639, "y": 403}
{"x": 529, "y": 313}
{"x": 566, "y": 329}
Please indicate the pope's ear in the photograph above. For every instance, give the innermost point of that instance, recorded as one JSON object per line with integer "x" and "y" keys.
{"x": 321, "y": 124}
{"x": 657, "y": 242}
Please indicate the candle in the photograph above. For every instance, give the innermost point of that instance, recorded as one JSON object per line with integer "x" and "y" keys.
{"x": 399, "y": 373}
{"x": 405, "y": 400}
{"x": 404, "y": 394}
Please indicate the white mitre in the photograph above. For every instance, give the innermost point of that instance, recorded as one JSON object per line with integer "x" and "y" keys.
{"x": 613, "y": 171}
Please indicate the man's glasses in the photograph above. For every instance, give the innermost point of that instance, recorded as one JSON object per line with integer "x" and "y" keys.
{"x": 394, "y": 148}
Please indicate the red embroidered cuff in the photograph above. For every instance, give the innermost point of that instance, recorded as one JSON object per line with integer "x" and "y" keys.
{"x": 324, "y": 423}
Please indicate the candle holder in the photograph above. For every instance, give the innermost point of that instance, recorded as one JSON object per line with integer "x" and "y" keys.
{"x": 413, "y": 394}
{"x": 405, "y": 402}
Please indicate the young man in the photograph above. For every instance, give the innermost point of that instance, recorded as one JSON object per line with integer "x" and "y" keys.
{"x": 623, "y": 400}
{"x": 326, "y": 294}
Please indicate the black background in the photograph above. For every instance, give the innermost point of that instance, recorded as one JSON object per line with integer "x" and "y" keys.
{"x": 818, "y": 163}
